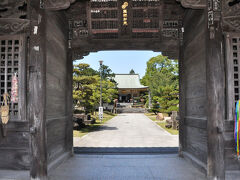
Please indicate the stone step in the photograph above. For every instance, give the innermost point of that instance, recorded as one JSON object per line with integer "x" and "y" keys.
{"x": 131, "y": 110}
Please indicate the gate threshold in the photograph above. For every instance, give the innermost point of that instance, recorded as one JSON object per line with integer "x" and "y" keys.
{"x": 125, "y": 150}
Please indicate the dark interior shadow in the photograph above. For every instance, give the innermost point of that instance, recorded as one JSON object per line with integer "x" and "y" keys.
{"x": 126, "y": 150}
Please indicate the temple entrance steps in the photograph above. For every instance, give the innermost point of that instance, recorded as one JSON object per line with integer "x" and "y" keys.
{"x": 128, "y": 108}
{"x": 124, "y": 105}
{"x": 131, "y": 110}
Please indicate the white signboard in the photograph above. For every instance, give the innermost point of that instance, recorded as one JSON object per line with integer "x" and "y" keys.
{"x": 100, "y": 113}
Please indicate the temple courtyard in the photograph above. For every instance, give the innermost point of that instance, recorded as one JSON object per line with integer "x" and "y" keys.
{"x": 128, "y": 130}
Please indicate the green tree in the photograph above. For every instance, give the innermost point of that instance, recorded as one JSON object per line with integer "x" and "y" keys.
{"x": 132, "y": 71}
{"x": 86, "y": 88}
{"x": 162, "y": 78}
{"x": 106, "y": 72}
{"x": 83, "y": 69}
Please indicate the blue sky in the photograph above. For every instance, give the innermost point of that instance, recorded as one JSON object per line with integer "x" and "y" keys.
{"x": 120, "y": 62}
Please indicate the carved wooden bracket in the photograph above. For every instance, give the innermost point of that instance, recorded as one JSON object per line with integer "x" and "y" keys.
{"x": 13, "y": 26}
{"x": 79, "y": 54}
{"x": 193, "y": 4}
{"x": 233, "y": 23}
{"x": 231, "y": 16}
{"x": 13, "y": 8}
{"x": 56, "y": 4}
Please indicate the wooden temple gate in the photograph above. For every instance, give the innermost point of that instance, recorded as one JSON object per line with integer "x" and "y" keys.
{"x": 39, "y": 39}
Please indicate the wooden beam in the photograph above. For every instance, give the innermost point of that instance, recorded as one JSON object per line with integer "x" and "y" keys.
{"x": 13, "y": 26}
{"x": 216, "y": 100}
{"x": 56, "y": 5}
{"x": 37, "y": 92}
{"x": 69, "y": 99}
{"x": 193, "y": 4}
{"x": 181, "y": 101}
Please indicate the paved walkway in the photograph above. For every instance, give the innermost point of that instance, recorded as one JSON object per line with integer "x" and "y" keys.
{"x": 128, "y": 130}
{"x": 126, "y": 167}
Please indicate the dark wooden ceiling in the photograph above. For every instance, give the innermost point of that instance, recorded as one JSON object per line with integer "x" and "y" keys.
{"x": 126, "y": 25}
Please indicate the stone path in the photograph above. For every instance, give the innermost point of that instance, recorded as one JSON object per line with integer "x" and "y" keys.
{"x": 128, "y": 130}
{"x": 126, "y": 167}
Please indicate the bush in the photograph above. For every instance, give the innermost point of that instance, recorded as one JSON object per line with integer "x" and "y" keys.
{"x": 78, "y": 111}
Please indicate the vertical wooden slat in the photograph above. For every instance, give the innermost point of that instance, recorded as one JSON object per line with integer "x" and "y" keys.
{"x": 37, "y": 92}
{"x": 69, "y": 110}
{"x": 216, "y": 101}
{"x": 22, "y": 78}
{"x": 181, "y": 102}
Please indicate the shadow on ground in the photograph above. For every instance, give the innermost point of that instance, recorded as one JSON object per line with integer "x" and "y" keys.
{"x": 94, "y": 128}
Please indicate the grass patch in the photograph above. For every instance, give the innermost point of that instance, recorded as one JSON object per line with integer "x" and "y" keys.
{"x": 162, "y": 124}
{"x": 93, "y": 127}
{"x": 171, "y": 131}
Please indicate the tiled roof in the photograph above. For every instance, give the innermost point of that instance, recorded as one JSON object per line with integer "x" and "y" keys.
{"x": 128, "y": 81}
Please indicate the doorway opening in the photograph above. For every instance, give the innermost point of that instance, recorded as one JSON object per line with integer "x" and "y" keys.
{"x": 138, "y": 91}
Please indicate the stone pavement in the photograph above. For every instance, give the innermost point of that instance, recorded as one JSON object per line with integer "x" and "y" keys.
{"x": 126, "y": 167}
{"x": 128, "y": 130}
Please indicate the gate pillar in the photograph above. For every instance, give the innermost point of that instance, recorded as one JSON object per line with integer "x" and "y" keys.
{"x": 37, "y": 92}
{"x": 215, "y": 79}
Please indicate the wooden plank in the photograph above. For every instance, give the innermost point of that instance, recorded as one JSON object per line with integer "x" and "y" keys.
{"x": 14, "y": 159}
{"x": 229, "y": 141}
{"x": 56, "y": 130}
{"x": 200, "y": 123}
{"x": 182, "y": 101}
{"x": 58, "y": 87}
{"x": 231, "y": 160}
{"x": 18, "y": 126}
{"x": 196, "y": 89}
{"x": 228, "y": 126}
{"x": 195, "y": 121}
{"x": 69, "y": 105}
{"x": 196, "y": 107}
{"x": 22, "y": 76}
{"x": 216, "y": 100}
{"x": 37, "y": 91}
{"x": 196, "y": 143}
{"x": 230, "y": 79}
{"x": 15, "y": 140}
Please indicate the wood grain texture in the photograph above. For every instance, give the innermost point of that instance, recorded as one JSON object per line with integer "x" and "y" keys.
{"x": 194, "y": 55}
{"x": 17, "y": 138}
{"x": 182, "y": 101}
{"x": 216, "y": 101}
{"x": 37, "y": 92}
{"x": 13, "y": 26}
{"x": 197, "y": 122}
{"x": 69, "y": 101}
{"x": 196, "y": 143}
{"x": 16, "y": 159}
{"x": 58, "y": 89}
